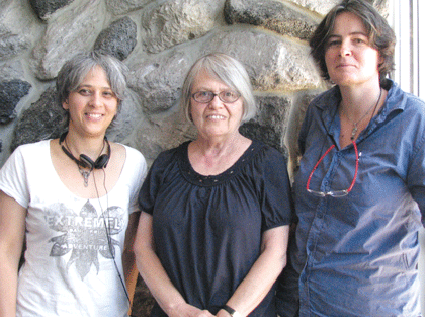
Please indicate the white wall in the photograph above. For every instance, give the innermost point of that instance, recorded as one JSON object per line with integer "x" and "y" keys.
{"x": 410, "y": 71}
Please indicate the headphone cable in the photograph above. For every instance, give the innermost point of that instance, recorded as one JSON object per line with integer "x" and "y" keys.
{"x": 108, "y": 230}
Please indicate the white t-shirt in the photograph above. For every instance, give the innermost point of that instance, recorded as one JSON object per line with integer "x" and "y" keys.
{"x": 68, "y": 268}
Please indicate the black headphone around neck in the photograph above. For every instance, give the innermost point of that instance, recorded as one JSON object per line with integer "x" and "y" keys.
{"x": 85, "y": 161}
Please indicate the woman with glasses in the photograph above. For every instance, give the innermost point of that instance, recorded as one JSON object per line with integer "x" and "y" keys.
{"x": 213, "y": 232}
{"x": 360, "y": 187}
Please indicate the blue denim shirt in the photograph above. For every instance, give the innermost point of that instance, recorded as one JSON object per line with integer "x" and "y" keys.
{"x": 357, "y": 255}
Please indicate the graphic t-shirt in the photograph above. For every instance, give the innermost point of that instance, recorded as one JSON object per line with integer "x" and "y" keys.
{"x": 70, "y": 269}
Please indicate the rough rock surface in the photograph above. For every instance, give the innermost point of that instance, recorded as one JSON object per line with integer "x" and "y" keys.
{"x": 270, "y": 14}
{"x": 45, "y": 8}
{"x": 73, "y": 32}
{"x": 42, "y": 120}
{"x": 119, "y": 39}
{"x": 10, "y": 94}
{"x": 11, "y": 70}
{"x": 273, "y": 63}
{"x": 11, "y": 44}
{"x": 319, "y": 6}
{"x": 176, "y": 22}
{"x": 158, "y": 80}
{"x": 18, "y": 28}
{"x": 125, "y": 6}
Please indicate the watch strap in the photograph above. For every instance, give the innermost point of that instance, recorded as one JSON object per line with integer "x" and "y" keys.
{"x": 231, "y": 311}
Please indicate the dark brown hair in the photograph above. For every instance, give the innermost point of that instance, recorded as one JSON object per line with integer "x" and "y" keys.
{"x": 381, "y": 36}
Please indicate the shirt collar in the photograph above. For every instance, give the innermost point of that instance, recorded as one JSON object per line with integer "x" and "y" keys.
{"x": 331, "y": 98}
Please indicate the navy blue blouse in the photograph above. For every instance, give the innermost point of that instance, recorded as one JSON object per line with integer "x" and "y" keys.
{"x": 207, "y": 229}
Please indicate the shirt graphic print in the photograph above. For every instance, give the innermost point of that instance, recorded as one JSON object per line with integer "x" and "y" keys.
{"x": 85, "y": 235}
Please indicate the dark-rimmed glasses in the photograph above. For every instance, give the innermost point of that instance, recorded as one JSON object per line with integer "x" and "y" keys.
{"x": 205, "y": 96}
{"x": 334, "y": 193}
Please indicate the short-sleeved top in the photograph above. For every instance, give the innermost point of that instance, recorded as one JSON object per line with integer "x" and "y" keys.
{"x": 207, "y": 229}
{"x": 69, "y": 269}
{"x": 357, "y": 255}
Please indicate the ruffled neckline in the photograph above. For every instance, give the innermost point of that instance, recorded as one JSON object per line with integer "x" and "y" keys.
{"x": 212, "y": 180}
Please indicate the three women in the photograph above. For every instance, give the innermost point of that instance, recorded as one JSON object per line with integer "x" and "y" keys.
{"x": 212, "y": 236}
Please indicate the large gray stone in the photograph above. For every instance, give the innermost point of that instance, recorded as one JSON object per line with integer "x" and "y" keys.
{"x": 273, "y": 112}
{"x": 45, "y": 8}
{"x": 124, "y": 6}
{"x": 10, "y": 94}
{"x": 119, "y": 39}
{"x": 18, "y": 27}
{"x": 269, "y": 123}
{"x": 42, "y": 120}
{"x": 12, "y": 44}
{"x": 324, "y": 6}
{"x": 265, "y": 134}
{"x": 125, "y": 126}
{"x": 176, "y": 22}
{"x": 293, "y": 126}
{"x": 273, "y": 62}
{"x": 162, "y": 132}
{"x": 271, "y": 14}
{"x": 319, "y": 6}
{"x": 11, "y": 70}
{"x": 158, "y": 80}
{"x": 4, "y": 3}
{"x": 72, "y": 32}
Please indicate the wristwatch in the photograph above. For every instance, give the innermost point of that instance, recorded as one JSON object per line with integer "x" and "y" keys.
{"x": 231, "y": 311}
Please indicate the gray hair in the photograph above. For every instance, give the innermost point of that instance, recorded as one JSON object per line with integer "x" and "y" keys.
{"x": 75, "y": 70}
{"x": 226, "y": 69}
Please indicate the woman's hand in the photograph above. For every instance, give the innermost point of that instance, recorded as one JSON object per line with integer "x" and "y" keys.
{"x": 155, "y": 276}
{"x": 263, "y": 274}
{"x": 186, "y": 310}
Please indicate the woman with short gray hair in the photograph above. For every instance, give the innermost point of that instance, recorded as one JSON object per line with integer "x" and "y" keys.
{"x": 73, "y": 201}
{"x": 213, "y": 232}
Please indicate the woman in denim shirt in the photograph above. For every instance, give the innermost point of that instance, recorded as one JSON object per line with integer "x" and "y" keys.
{"x": 360, "y": 187}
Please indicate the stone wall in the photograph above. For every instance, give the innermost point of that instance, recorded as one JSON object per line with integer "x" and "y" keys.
{"x": 158, "y": 40}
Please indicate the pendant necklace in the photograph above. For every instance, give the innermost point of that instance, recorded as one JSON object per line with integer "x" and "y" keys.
{"x": 85, "y": 174}
{"x": 355, "y": 129}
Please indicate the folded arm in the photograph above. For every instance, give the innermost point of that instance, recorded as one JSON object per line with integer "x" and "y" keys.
{"x": 263, "y": 273}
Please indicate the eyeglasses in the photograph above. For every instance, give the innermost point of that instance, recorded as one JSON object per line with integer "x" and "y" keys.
{"x": 227, "y": 96}
{"x": 334, "y": 193}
